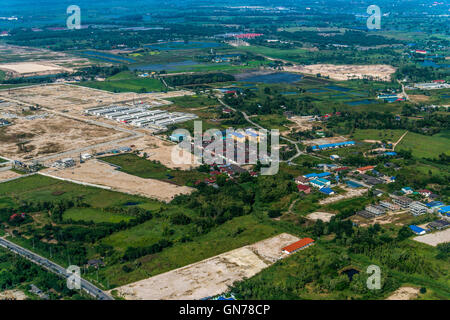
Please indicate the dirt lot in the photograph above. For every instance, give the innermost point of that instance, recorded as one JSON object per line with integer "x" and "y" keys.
{"x": 74, "y": 99}
{"x": 435, "y": 238}
{"x": 28, "y": 68}
{"x": 302, "y": 123}
{"x": 5, "y": 175}
{"x": 346, "y": 72}
{"x": 27, "y": 139}
{"x": 12, "y": 295}
{"x": 321, "y": 141}
{"x": 324, "y": 216}
{"x": 99, "y": 173}
{"x": 161, "y": 151}
{"x": 390, "y": 217}
{"x": 351, "y": 193}
{"x": 404, "y": 293}
{"x": 211, "y": 276}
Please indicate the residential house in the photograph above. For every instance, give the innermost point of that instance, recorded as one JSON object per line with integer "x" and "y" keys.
{"x": 304, "y": 188}
{"x": 407, "y": 190}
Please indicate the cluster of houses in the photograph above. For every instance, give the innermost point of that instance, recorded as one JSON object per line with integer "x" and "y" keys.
{"x": 230, "y": 170}
{"x": 315, "y": 180}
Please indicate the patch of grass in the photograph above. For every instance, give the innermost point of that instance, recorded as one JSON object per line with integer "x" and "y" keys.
{"x": 272, "y": 121}
{"x": 374, "y": 134}
{"x": 147, "y": 169}
{"x": 426, "y": 146}
{"x": 233, "y": 234}
{"x": 95, "y": 215}
{"x": 127, "y": 85}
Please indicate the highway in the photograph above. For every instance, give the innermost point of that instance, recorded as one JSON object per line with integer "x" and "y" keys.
{"x": 53, "y": 267}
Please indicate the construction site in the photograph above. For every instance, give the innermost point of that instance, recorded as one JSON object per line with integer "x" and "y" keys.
{"x": 209, "y": 277}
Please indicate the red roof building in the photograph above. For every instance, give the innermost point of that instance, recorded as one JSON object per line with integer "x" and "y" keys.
{"x": 340, "y": 169}
{"x": 364, "y": 169}
{"x": 425, "y": 192}
{"x": 299, "y": 245}
{"x": 303, "y": 188}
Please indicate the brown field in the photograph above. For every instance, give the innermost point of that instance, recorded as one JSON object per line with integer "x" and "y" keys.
{"x": 380, "y": 72}
{"x": 324, "y": 216}
{"x": 12, "y": 295}
{"x": 404, "y": 293}
{"x": 5, "y": 175}
{"x": 209, "y": 277}
{"x": 74, "y": 99}
{"x": 324, "y": 141}
{"x": 435, "y": 238}
{"x": 28, "y": 139}
{"x": 98, "y": 173}
{"x": 161, "y": 151}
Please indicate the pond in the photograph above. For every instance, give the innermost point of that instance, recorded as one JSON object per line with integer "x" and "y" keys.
{"x": 181, "y": 45}
{"x": 350, "y": 273}
{"x": 170, "y": 66}
{"x": 106, "y": 56}
{"x": 360, "y": 102}
{"x": 336, "y": 88}
{"x": 278, "y": 77}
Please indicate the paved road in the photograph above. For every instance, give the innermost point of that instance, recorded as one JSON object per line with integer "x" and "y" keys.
{"x": 53, "y": 267}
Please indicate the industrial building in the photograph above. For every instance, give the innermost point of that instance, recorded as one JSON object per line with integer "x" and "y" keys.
{"x": 403, "y": 202}
{"x": 417, "y": 208}
{"x": 376, "y": 209}
{"x": 438, "y": 224}
{"x": 142, "y": 116}
{"x": 333, "y": 145}
{"x": 389, "y": 205}
{"x": 417, "y": 230}
{"x": 299, "y": 245}
{"x": 64, "y": 163}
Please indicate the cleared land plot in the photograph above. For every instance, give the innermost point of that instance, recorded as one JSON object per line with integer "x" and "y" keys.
{"x": 404, "y": 293}
{"x": 75, "y": 99}
{"x": 350, "y": 193}
{"x": 435, "y": 238}
{"x": 6, "y": 175}
{"x": 103, "y": 174}
{"x": 32, "y": 68}
{"x": 160, "y": 150}
{"x": 211, "y": 276}
{"x": 324, "y": 216}
{"x": 380, "y": 72}
{"x": 27, "y": 139}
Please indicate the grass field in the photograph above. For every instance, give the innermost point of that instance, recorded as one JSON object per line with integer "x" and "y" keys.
{"x": 94, "y": 215}
{"x": 40, "y": 188}
{"x": 195, "y": 101}
{"x": 137, "y": 166}
{"x": 426, "y": 146}
{"x": 127, "y": 85}
{"x": 374, "y": 134}
{"x": 273, "y": 121}
{"x": 2, "y": 75}
{"x": 233, "y": 234}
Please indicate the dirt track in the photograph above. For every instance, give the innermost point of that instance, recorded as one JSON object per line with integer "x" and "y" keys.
{"x": 103, "y": 174}
{"x": 211, "y": 276}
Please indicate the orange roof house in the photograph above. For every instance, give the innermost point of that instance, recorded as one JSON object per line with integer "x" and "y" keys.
{"x": 364, "y": 169}
{"x": 301, "y": 244}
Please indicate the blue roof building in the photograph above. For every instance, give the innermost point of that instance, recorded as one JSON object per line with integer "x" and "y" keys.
{"x": 327, "y": 191}
{"x": 333, "y": 145}
{"x": 310, "y": 175}
{"x": 435, "y": 204}
{"x": 324, "y": 174}
{"x": 444, "y": 210}
{"x": 390, "y": 154}
{"x": 417, "y": 230}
